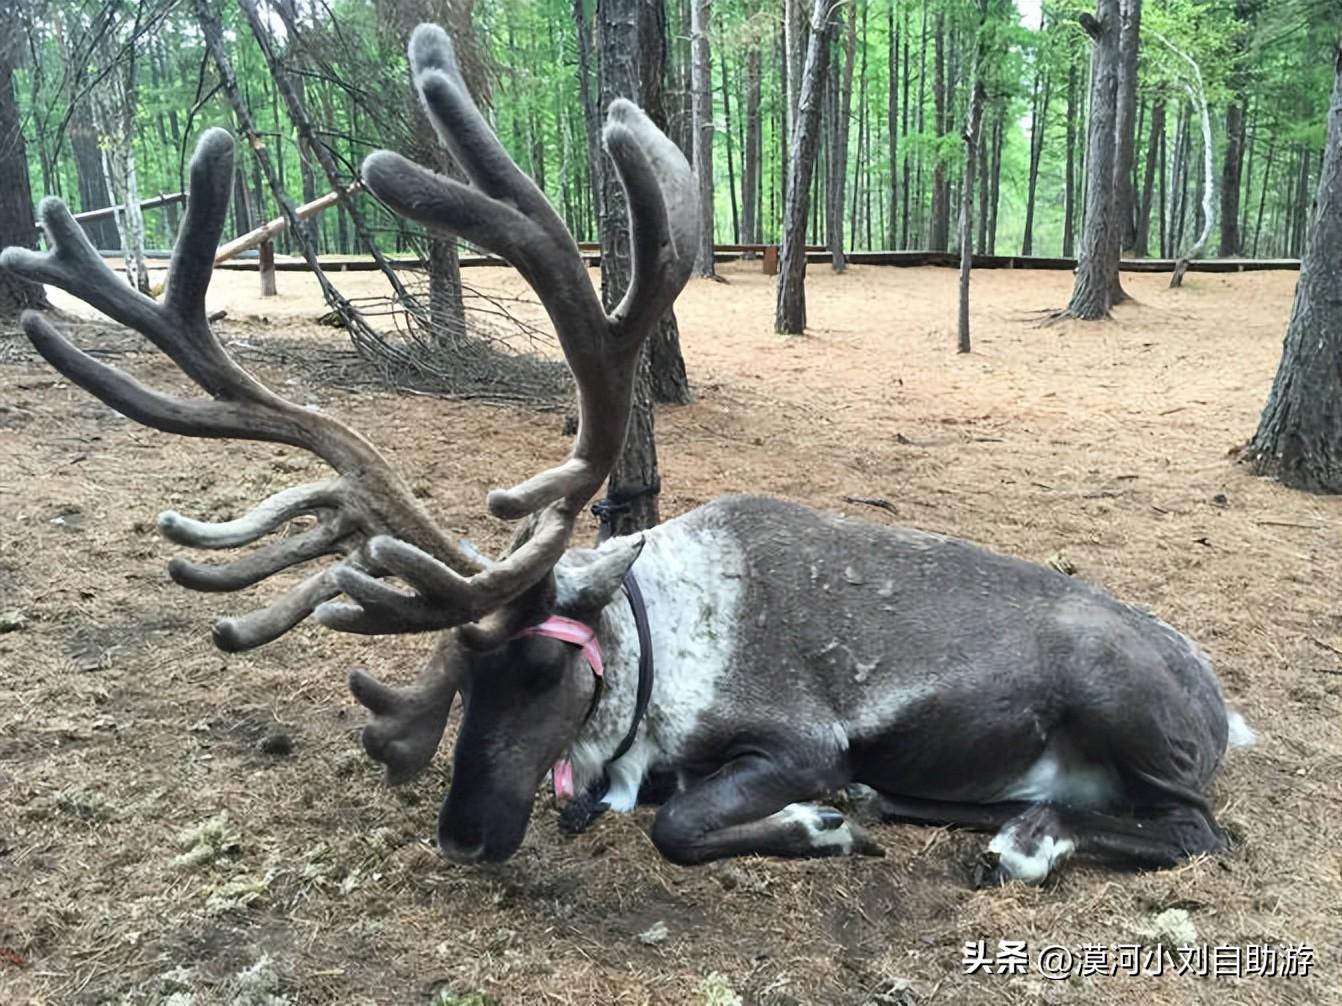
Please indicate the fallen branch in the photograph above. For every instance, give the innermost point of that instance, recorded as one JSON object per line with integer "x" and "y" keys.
{"x": 280, "y": 224}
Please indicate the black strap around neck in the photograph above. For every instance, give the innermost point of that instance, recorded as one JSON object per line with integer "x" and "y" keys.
{"x": 605, "y": 511}
{"x": 640, "y": 613}
{"x": 579, "y": 813}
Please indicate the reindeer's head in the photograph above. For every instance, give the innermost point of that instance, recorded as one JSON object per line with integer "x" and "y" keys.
{"x": 523, "y": 698}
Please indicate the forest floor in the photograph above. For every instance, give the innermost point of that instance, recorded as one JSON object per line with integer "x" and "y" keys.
{"x": 150, "y": 848}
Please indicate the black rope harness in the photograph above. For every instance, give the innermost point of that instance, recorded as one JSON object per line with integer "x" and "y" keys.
{"x": 578, "y": 814}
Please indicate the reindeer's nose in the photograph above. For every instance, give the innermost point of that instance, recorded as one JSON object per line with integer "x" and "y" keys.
{"x": 463, "y": 855}
{"x": 461, "y": 837}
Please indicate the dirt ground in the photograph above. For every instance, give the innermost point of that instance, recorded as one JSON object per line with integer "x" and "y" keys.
{"x": 301, "y": 879}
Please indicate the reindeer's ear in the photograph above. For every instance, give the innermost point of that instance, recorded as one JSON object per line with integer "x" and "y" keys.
{"x": 586, "y": 580}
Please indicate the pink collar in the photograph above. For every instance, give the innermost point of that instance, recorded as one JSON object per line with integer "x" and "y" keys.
{"x": 580, "y": 634}
{"x": 570, "y": 631}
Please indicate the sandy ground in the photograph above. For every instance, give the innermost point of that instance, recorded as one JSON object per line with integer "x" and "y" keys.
{"x": 1105, "y": 445}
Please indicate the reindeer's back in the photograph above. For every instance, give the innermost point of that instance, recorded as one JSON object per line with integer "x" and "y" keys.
{"x": 858, "y": 620}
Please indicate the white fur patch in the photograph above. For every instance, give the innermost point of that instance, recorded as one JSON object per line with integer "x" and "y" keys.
{"x": 1030, "y": 867}
{"x": 626, "y": 775}
{"x": 809, "y": 816}
{"x": 693, "y": 586}
{"x": 1241, "y": 734}
{"x": 1062, "y": 775}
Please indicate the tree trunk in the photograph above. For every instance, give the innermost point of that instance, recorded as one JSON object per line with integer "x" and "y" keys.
{"x": 17, "y": 227}
{"x": 783, "y": 132}
{"x": 589, "y": 110}
{"x": 939, "y": 236}
{"x": 684, "y": 70}
{"x": 1091, "y": 294}
{"x": 1232, "y": 174}
{"x": 1206, "y": 193}
{"x": 982, "y": 160}
{"x": 995, "y": 191}
{"x": 1299, "y": 437}
{"x": 839, "y": 150}
{"x": 750, "y": 171}
{"x": 904, "y": 129}
{"x": 701, "y": 80}
{"x": 93, "y": 194}
{"x": 1122, "y": 231}
{"x": 1038, "y": 124}
{"x": 793, "y": 51}
{"x": 1230, "y": 180}
{"x": 892, "y": 126}
{"x": 1141, "y": 242}
{"x": 731, "y": 163}
{"x": 1300, "y": 206}
{"x": 665, "y": 372}
{"x": 1069, "y": 186}
{"x": 1160, "y": 216}
{"x": 921, "y": 223}
{"x": 1262, "y": 198}
{"x": 1178, "y": 185}
{"x": 971, "y": 136}
{"x": 308, "y": 179}
{"x": 861, "y": 215}
{"x": 1248, "y": 136}
{"x": 790, "y": 316}
{"x": 634, "y": 478}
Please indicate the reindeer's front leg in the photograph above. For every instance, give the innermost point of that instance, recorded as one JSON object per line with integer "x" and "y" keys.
{"x": 754, "y": 804}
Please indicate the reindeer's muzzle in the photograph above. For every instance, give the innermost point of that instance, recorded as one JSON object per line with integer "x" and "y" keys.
{"x": 470, "y": 833}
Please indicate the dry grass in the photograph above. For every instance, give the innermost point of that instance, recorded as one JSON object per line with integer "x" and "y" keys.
{"x": 1104, "y": 446}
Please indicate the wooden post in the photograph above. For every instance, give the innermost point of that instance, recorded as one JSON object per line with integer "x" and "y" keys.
{"x": 771, "y": 260}
{"x": 267, "y": 252}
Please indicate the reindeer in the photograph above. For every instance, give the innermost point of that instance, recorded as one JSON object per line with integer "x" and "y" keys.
{"x": 749, "y": 658}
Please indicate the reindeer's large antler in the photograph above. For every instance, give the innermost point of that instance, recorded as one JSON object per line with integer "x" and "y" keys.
{"x": 366, "y": 512}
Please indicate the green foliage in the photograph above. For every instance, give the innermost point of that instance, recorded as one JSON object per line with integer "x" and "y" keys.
{"x": 1273, "y": 58}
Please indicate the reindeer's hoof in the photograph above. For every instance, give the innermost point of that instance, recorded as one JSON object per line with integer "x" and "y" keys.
{"x": 863, "y": 843}
{"x": 988, "y": 871}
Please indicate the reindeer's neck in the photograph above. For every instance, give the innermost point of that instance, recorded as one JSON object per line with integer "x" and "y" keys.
{"x": 692, "y": 582}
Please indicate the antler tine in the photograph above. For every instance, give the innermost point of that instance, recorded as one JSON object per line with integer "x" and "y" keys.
{"x": 260, "y": 520}
{"x": 265, "y": 625}
{"x": 664, "y": 229}
{"x": 269, "y": 559}
{"x": 177, "y": 327}
{"x": 459, "y": 124}
{"x": 192, "y": 264}
{"x": 367, "y": 512}
{"x": 506, "y": 213}
{"x": 660, "y": 192}
{"x": 367, "y": 498}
